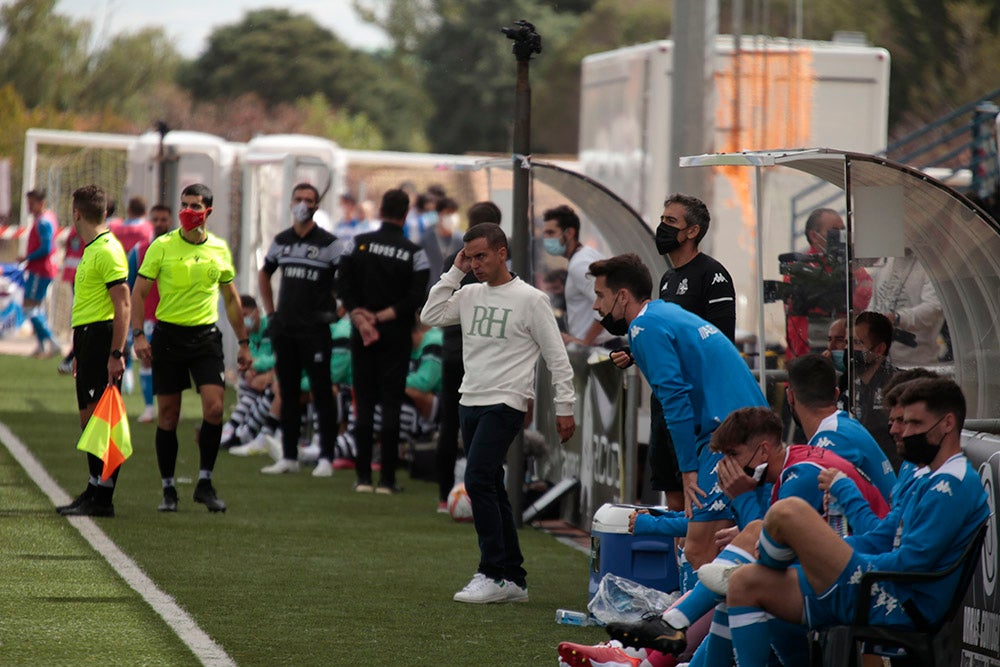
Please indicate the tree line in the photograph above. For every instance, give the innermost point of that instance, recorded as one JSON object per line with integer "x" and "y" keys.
{"x": 445, "y": 83}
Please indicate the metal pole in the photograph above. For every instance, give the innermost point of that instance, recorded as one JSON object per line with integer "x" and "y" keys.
{"x": 759, "y": 206}
{"x": 526, "y": 43}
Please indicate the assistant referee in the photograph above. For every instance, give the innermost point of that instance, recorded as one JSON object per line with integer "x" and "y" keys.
{"x": 100, "y": 323}
{"x": 190, "y": 268}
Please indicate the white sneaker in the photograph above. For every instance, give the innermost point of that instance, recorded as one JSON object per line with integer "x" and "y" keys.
{"x": 311, "y": 452}
{"x": 481, "y": 589}
{"x": 148, "y": 415}
{"x": 255, "y": 447}
{"x": 281, "y": 467}
{"x": 515, "y": 593}
{"x": 323, "y": 468}
{"x": 274, "y": 447}
{"x": 715, "y": 575}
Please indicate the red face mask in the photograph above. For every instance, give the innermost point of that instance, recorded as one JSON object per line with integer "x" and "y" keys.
{"x": 191, "y": 219}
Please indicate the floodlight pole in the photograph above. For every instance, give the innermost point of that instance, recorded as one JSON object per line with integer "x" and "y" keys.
{"x": 526, "y": 43}
{"x": 162, "y": 129}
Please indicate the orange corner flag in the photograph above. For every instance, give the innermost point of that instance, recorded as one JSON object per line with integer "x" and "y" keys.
{"x": 107, "y": 436}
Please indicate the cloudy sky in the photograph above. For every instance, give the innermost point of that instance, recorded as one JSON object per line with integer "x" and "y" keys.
{"x": 189, "y": 22}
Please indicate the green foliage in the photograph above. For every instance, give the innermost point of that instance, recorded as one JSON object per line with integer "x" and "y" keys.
{"x": 282, "y": 57}
{"x": 43, "y": 54}
{"x": 350, "y": 131}
{"x": 123, "y": 73}
{"x": 273, "y": 52}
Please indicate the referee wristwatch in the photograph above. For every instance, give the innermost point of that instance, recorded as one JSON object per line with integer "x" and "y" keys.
{"x": 116, "y": 354}
{"x": 138, "y": 332}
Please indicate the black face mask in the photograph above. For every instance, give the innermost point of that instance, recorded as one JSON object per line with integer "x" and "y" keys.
{"x": 917, "y": 450}
{"x": 613, "y": 325}
{"x": 756, "y": 473}
{"x": 795, "y": 417}
{"x": 862, "y": 359}
{"x": 666, "y": 239}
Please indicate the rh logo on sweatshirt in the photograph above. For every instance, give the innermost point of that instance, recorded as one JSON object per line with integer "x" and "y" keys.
{"x": 489, "y": 322}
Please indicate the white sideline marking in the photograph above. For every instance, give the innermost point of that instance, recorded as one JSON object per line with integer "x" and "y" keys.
{"x": 204, "y": 647}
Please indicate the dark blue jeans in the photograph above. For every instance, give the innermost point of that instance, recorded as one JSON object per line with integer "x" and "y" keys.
{"x": 487, "y": 432}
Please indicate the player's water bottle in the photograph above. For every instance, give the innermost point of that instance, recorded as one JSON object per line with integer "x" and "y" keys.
{"x": 835, "y": 517}
{"x": 569, "y": 617}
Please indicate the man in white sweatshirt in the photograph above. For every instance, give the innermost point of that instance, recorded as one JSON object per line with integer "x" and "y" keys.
{"x": 506, "y": 324}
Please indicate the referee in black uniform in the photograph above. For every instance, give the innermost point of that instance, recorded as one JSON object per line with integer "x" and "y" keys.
{"x": 382, "y": 282}
{"x": 300, "y": 326}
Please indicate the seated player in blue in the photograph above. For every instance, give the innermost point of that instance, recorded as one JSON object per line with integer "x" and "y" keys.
{"x": 925, "y": 532}
{"x": 812, "y": 396}
{"x": 845, "y": 492}
{"x": 754, "y": 456}
{"x": 697, "y": 375}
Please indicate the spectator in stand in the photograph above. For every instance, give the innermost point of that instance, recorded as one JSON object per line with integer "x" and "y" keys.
{"x": 39, "y": 271}
{"x": 161, "y": 217}
{"x": 561, "y": 235}
{"x": 443, "y": 239}
{"x": 452, "y": 370}
{"x": 382, "y": 282}
{"x": 191, "y": 267}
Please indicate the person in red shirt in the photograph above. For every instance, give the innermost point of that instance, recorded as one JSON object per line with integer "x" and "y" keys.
{"x": 161, "y": 218}
{"x": 40, "y": 269}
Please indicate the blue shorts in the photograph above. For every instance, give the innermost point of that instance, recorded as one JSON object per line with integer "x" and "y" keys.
{"x": 36, "y": 287}
{"x": 715, "y": 506}
{"x": 836, "y": 605}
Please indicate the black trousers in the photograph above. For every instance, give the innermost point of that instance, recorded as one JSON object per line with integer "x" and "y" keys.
{"x": 292, "y": 356}
{"x": 379, "y": 376}
{"x": 452, "y": 372}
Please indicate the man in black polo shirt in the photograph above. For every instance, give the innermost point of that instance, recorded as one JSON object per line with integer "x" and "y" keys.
{"x": 699, "y": 284}
{"x": 300, "y": 326}
{"x": 382, "y": 283}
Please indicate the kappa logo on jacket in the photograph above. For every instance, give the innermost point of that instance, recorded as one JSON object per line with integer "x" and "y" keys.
{"x": 719, "y": 278}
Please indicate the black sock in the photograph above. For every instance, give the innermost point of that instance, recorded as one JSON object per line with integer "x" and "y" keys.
{"x": 209, "y": 444}
{"x": 166, "y": 451}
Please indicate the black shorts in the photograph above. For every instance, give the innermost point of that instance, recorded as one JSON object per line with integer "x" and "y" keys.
{"x": 665, "y": 473}
{"x": 182, "y": 353}
{"x": 92, "y": 347}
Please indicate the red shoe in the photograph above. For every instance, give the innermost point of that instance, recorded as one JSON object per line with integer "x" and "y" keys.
{"x": 611, "y": 654}
{"x": 343, "y": 464}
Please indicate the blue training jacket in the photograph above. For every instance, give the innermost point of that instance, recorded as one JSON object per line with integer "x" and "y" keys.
{"x": 696, "y": 373}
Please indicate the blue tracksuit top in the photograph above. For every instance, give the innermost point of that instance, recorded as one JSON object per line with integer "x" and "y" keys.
{"x": 696, "y": 373}
{"x": 925, "y": 532}
{"x": 850, "y": 440}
